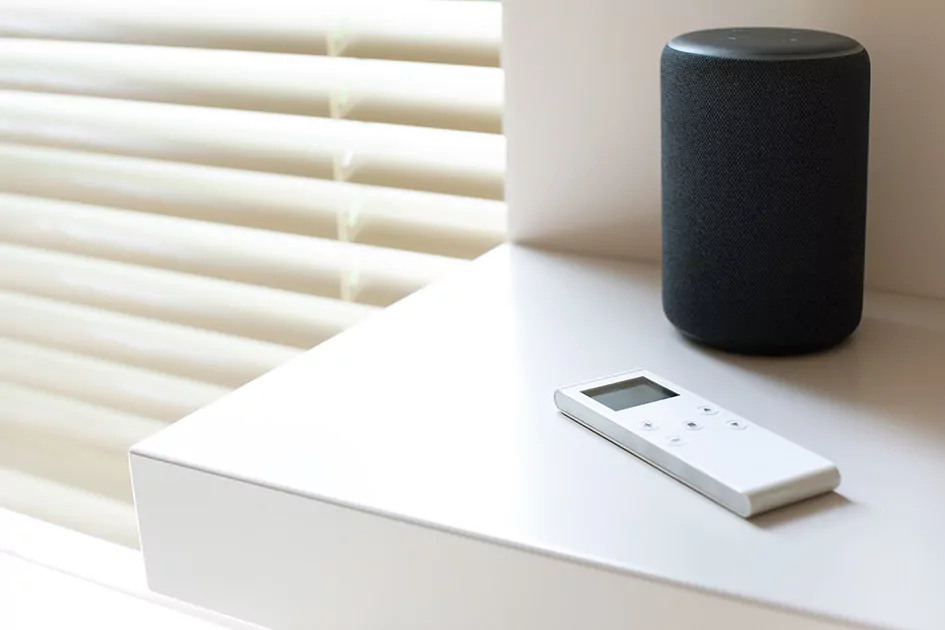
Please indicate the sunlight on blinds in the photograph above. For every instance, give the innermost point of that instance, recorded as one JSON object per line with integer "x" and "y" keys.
{"x": 193, "y": 193}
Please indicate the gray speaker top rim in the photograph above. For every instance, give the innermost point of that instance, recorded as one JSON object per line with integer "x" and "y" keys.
{"x": 765, "y": 43}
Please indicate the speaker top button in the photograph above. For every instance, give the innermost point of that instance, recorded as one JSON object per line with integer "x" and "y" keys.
{"x": 707, "y": 410}
{"x": 738, "y": 425}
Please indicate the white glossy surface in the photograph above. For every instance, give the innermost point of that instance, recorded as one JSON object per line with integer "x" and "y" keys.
{"x": 289, "y": 562}
{"x": 440, "y": 411}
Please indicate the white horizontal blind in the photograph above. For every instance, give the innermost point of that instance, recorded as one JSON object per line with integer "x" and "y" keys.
{"x": 193, "y": 192}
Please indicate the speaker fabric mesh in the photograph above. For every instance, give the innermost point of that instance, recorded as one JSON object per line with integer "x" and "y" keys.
{"x": 764, "y": 166}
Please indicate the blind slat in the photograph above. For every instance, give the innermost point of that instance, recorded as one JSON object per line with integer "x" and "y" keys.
{"x": 170, "y": 348}
{"x": 404, "y": 93}
{"x": 436, "y": 160}
{"x": 388, "y": 217}
{"x": 193, "y": 192}
{"x": 246, "y": 311}
{"x": 305, "y": 265}
{"x": 466, "y": 33}
{"x": 104, "y": 473}
{"x": 104, "y": 383}
{"x": 43, "y": 414}
{"x": 71, "y": 507}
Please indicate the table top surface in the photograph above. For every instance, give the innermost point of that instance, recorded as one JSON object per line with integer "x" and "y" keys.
{"x": 440, "y": 411}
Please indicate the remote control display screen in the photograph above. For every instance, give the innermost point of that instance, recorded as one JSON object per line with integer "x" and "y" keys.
{"x": 627, "y": 394}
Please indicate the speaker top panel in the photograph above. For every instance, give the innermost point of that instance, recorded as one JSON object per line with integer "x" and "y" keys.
{"x": 773, "y": 44}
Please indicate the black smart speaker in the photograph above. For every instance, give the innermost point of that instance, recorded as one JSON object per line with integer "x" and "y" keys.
{"x": 765, "y": 144}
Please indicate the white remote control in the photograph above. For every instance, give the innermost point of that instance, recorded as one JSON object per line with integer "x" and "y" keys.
{"x": 740, "y": 465}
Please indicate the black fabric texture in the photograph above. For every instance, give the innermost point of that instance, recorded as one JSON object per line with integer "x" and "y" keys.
{"x": 764, "y": 167}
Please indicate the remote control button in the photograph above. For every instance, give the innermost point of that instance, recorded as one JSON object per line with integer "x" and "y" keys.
{"x": 649, "y": 425}
{"x": 707, "y": 410}
{"x": 675, "y": 440}
{"x": 738, "y": 425}
{"x": 692, "y": 425}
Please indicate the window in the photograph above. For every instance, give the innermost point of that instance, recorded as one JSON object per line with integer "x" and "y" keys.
{"x": 192, "y": 193}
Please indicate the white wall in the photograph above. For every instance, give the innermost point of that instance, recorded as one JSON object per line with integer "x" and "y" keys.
{"x": 583, "y": 121}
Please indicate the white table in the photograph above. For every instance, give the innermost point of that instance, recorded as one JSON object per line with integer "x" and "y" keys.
{"x": 414, "y": 473}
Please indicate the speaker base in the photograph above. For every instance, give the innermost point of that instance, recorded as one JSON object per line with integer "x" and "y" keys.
{"x": 767, "y": 350}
